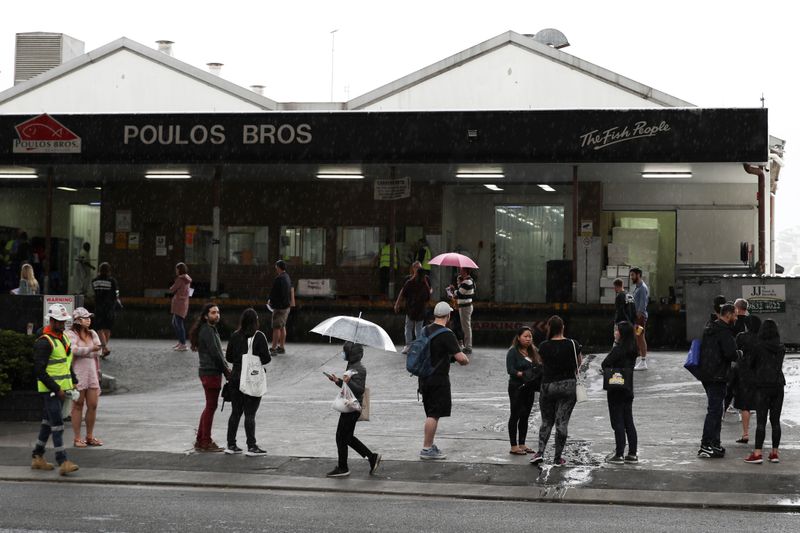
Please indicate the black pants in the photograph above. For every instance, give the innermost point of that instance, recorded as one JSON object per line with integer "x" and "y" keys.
{"x": 242, "y": 403}
{"x": 521, "y": 405}
{"x": 345, "y": 438}
{"x": 715, "y": 391}
{"x": 556, "y": 402}
{"x": 769, "y": 401}
{"x": 620, "y": 411}
{"x": 383, "y": 275}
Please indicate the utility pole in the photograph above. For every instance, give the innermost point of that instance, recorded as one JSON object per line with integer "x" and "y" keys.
{"x": 333, "y": 39}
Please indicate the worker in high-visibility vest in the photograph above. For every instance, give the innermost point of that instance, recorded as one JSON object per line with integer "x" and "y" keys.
{"x": 424, "y": 256}
{"x": 52, "y": 366}
{"x": 384, "y": 258}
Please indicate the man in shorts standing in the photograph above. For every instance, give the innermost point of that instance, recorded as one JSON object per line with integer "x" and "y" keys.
{"x": 641, "y": 295}
{"x": 280, "y": 299}
{"x": 435, "y": 389}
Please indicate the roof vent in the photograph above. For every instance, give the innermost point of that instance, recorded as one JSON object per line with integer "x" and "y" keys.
{"x": 215, "y": 68}
{"x": 551, "y": 37}
{"x": 165, "y": 46}
{"x": 258, "y": 89}
{"x": 38, "y": 52}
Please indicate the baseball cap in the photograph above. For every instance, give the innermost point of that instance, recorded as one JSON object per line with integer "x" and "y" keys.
{"x": 442, "y": 309}
{"x": 81, "y": 312}
{"x": 58, "y": 312}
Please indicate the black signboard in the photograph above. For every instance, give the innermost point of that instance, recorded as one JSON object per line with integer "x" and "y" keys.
{"x": 564, "y": 136}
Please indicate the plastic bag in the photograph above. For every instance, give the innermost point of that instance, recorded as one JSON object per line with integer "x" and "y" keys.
{"x": 345, "y": 401}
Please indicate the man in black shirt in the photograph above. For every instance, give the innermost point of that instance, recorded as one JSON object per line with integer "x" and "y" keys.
{"x": 279, "y": 302}
{"x": 624, "y": 306}
{"x": 435, "y": 389}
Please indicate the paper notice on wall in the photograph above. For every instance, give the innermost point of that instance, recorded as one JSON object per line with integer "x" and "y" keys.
{"x": 121, "y": 240}
{"x": 133, "y": 241}
{"x": 123, "y": 220}
{"x": 109, "y": 237}
{"x": 392, "y": 189}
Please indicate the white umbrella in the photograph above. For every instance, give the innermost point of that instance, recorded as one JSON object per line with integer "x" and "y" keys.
{"x": 356, "y": 329}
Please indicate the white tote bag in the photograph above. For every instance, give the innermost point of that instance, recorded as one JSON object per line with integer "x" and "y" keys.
{"x": 346, "y": 401}
{"x": 253, "y": 379}
{"x": 580, "y": 388}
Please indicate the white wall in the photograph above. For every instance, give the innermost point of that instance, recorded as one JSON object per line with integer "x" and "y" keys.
{"x": 712, "y": 219}
{"x": 511, "y": 77}
{"x": 125, "y": 82}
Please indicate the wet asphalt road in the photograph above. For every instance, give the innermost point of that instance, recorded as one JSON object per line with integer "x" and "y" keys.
{"x": 50, "y": 507}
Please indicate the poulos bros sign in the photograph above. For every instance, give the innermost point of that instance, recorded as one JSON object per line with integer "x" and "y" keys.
{"x": 563, "y": 136}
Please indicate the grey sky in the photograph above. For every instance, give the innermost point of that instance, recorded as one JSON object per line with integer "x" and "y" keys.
{"x": 713, "y": 54}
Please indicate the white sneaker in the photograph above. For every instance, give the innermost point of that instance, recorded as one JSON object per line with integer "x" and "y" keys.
{"x": 406, "y": 348}
{"x": 641, "y": 364}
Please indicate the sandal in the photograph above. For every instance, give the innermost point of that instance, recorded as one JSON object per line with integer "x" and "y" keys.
{"x": 92, "y": 441}
{"x": 528, "y": 450}
{"x": 516, "y": 451}
{"x": 79, "y": 443}
{"x": 743, "y": 440}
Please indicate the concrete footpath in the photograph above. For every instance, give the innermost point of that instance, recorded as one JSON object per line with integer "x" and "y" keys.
{"x": 148, "y": 429}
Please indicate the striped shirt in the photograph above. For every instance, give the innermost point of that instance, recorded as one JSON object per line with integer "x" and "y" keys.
{"x": 465, "y": 292}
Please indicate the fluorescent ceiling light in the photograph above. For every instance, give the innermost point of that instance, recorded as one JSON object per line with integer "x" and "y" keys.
{"x": 492, "y": 187}
{"x": 69, "y": 189}
{"x": 339, "y": 176}
{"x": 546, "y": 187}
{"x": 98, "y": 188}
{"x": 18, "y": 176}
{"x": 480, "y": 175}
{"x": 180, "y": 175}
{"x": 666, "y": 175}
{"x": 94, "y": 203}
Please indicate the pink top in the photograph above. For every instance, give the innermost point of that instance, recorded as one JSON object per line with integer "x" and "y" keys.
{"x": 85, "y": 359}
{"x": 180, "y": 296}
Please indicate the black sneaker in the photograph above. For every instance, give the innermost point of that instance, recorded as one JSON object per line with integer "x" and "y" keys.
{"x": 467, "y": 351}
{"x": 705, "y": 452}
{"x": 281, "y": 350}
{"x": 231, "y": 450}
{"x": 338, "y": 472}
{"x": 719, "y": 451}
{"x": 255, "y": 451}
{"x": 615, "y": 459}
{"x": 631, "y": 458}
{"x": 374, "y": 462}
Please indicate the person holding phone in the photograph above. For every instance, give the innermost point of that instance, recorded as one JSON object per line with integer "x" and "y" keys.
{"x": 356, "y": 378}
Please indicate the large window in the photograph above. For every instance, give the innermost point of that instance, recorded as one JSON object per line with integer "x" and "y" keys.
{"x": 302, "y": 246}
{"x": 238, "y": 245}
{"x": 247, "y": 245}
{"x": 357, "y": 246}
{"x": 526, "y": 237}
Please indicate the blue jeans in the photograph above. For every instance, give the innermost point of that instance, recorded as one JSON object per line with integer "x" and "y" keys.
{"x": 413, "y": 329}
{"x": 716, "y": 404}
{"x": 180, "y": 328}
{"x": 52, "y": 424}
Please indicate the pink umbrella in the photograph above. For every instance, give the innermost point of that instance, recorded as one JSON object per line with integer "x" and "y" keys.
{"x": 453, "y": 259}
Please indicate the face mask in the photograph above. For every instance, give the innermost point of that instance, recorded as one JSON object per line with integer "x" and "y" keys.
{"x": 343, "y": 355}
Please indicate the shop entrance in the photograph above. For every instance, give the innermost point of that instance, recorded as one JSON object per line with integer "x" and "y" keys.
{"x": 526, "y": 237}
{"x": 84, "y": 229}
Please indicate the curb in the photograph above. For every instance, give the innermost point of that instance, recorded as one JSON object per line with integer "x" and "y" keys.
{"x": 572, "y": 495}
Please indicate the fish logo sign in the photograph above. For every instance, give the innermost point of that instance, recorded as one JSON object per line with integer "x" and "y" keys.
{"x": 45, "y": 135}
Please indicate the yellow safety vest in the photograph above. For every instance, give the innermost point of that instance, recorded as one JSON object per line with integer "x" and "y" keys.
{"x": 386, "y": 252}
{"x": 59, "y": 364}
{"x": 425, "y": 260}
